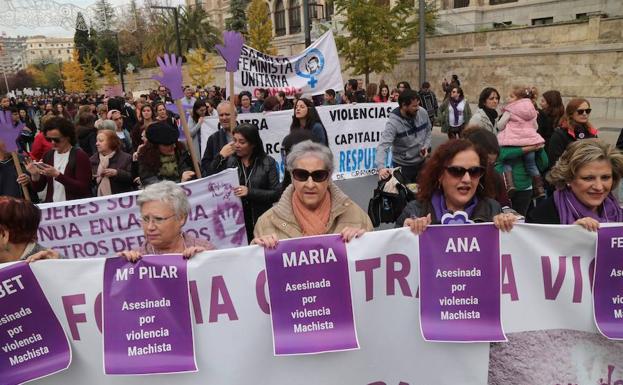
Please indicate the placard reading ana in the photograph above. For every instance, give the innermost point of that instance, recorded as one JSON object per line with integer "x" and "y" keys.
{"x": 32, "y": 341}
{"x": 310, "y": 298}
{"x": 147, "y": 325}
{"x": 460, "y": 284}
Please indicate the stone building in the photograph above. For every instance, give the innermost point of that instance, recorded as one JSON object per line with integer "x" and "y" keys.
{"x": 48, "y": 49}
{"x": 12, "y": 57}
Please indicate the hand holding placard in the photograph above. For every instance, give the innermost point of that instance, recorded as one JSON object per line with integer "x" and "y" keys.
{"x": 230, "y": 49}
{"x": 171, "y": 67}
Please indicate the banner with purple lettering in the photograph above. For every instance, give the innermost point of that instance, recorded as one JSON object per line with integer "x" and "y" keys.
{"x": 460, "y": 284}
{"x": 146, "y": 316}
{"x": 33, "y": 343}
{"x": 311, "y": 303}
{"x": 104, "y": 226}
{"x": 608, "y": 282}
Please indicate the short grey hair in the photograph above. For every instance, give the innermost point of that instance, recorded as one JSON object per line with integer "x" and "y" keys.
{"x": 167, "y": 192}
{"x": 101, "y": 108}
{"x": 309, "y": 148}
{"x": 108, "y": 125}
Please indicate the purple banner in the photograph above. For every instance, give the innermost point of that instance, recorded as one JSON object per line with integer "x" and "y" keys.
{"x": 460, "y": 284}
{"x": 608, "y": 282}
{"x": 32, "y": 341}
{"x": 310, "y": 299}
{"x": 147, "y": 324}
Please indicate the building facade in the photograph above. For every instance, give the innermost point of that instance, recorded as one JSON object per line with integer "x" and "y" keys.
{"x": 12, "y": 49}
{"x": 48, "y": 49}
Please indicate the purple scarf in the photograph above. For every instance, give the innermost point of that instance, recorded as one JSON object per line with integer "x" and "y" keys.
{"x": 439, "y": 205}
{"x": 454, "y": 104}
{"x": 570, "y": 209}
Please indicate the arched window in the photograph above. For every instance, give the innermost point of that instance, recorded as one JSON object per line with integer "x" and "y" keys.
{"x": 294, "y": 14}
{"x": 280, "y": 18}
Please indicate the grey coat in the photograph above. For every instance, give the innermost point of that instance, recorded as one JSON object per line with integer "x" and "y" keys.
{"x": 406, "y": 137}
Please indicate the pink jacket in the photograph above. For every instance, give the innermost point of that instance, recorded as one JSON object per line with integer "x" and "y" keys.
{"x": 520, "y": 130}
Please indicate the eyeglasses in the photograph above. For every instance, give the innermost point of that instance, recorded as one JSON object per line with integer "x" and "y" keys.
{"x": 582, "y": 111}
{"x": 53, "y": 139}
{"x": 303, "y": 175}
{"x": 459, "y": 172}
{"x": 147, "y": 220}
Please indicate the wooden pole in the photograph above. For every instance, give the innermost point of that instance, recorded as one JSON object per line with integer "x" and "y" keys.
{"x": 189, "y": 139}
{"x": 18, "y": 168}
{"x": 232, "y": 100}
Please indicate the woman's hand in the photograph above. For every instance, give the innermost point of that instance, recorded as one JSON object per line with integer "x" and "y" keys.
{"x": 109, "y": 172}
{"x": 504, "y": 222}
{"x": 588, "y": 223}
{"x": 32, "y": 168}
{"x": 417, "y": 225}
{"x": 130, "y": 255}
{"x": 187, "y": 175}
{"x": 241, "y": 191}
{"x": 267, "y": 241}
{"x": 227, "y": 150}
{"x": 191, "y": 251}
{"x": 44, "y": 254}
{"x": 49, "y": 171}
{"x": 348, "y": 233}
{"x": 23, "y": 180}
{"x": 533, "y": 148}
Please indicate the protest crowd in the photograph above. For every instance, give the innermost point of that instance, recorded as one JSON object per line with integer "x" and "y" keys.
{"x": 518, "y": 155}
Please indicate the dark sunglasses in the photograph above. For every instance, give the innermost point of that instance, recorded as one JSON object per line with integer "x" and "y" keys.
{"x": 459, "y": 172}
{"x": 303, "y": 175}
{"x": 55, "y": 140}
{"x": 581, "y": 112}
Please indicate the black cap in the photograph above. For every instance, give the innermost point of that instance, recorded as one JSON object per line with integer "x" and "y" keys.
{"x": 162, "y": 133}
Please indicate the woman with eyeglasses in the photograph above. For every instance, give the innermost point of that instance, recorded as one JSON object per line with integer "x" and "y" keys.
{"x": 574, "y": 126}
{"x": 164, "y": 211}
{"x": 257, "y": 173}
{"x": 455, "y": 186}
{"x": 312, "y": 204}
{"x": 65, "y": 170}
{"x": 584, "y": 176}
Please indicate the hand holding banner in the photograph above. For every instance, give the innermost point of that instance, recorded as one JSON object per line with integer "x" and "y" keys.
{"x": 171, "y": 67}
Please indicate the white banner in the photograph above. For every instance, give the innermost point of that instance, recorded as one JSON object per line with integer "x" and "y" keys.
{"x": 311, "y": 72}
{"x": 546, "y": 312}
{"x": 104, "y": 226}
{"x": 353, "y": 131}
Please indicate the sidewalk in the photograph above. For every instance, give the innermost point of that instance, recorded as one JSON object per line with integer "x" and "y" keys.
{"x": 608, "y": 129}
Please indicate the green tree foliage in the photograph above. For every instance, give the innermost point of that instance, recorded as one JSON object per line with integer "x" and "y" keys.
{"x": 90, "y": 74}
{"x": 81, "y": 37}
{"x": 238, "y": 19}
{"x": 107, "y": 49}
{"x": 260, "y": 35}
{"x": 378, "y": 33}
{"x": 110, "y": 79}
{"x": 104, "y": 16}
{"x": 195, "y": 32}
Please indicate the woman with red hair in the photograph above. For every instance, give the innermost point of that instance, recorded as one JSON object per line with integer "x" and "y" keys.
{"x": 574, "y": 126}
{"x": 455, "y": 186}
{"x": 112, "y": 168}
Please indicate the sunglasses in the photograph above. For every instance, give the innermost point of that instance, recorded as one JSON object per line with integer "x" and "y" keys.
{"x": 582, "y": 111}
{"x": 459, "y": 172}
{"x": 303, "y": 175}
{"x": 53, "y": 139}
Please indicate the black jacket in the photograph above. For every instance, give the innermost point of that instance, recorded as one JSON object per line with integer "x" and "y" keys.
{"x": 214, "y": 145}
{"x": 149, "y": 176}
{"x": 484, "y": 211}
{"x": 562, "y": 137}
{"x": 122, "y": 162}
{"x": 262, "y": 179}
{"x": 544, "y": 213}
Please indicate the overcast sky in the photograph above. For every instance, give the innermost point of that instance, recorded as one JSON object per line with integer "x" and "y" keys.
{"x": 51, "y": 15}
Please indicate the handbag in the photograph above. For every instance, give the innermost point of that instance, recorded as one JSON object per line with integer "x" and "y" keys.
{"x": 385, "y": 206}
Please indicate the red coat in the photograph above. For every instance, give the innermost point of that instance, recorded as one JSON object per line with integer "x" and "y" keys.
{"x": 39, "y": 147}
{"x": 76, "y": 178}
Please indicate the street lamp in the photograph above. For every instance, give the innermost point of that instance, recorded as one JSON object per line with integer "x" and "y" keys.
{"x": 422, "y": 45}
{"x": 177, "y": 26}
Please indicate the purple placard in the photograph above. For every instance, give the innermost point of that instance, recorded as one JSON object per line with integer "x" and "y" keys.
{"x": 460, "y": 284}
{"x": 188, "y": 109}
{"x": 310, "y": 298}
{"x": 9, "y": 137}
{"x": 147, "y": 325}
{"x": 32, "y": 341}
{"x": 608, "y": 282}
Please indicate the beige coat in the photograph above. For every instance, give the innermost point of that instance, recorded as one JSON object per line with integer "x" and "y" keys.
{"x": 280, "y": 220}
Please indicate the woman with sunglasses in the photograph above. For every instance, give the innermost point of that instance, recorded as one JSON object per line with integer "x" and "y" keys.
{"x": 574, "y": 126}
{"x": 65, "y": 170}
{"x": 455, "y": 187}
{"x": 257, "y": 173}
{"x": 312, "y": 204}
{"x": 584, "y": 177}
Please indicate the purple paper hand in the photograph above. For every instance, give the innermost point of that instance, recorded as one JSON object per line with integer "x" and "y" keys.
{"x": 171, "y": 78}
{"x": 8, "y": 132}
{"x": 230, "y": 50}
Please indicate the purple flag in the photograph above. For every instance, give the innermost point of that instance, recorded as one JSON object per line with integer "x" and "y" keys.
{"x": 147, "y": 324}
{"x": 608, "y": 282}
{"x": 310, "y": 298}
{"x": 460, "y": 283}
{"x": 32, "y": 341}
